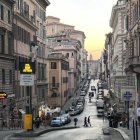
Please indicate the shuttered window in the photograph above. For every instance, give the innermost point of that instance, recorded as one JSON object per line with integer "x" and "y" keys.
{"x": 2, "y": 43}
{"x": 22, "y": 35}
{"x": 3, "y": 76}
{"x": 1, "y": 12}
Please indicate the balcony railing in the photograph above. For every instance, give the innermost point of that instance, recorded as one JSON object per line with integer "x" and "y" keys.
{"x": 53, "y": 85}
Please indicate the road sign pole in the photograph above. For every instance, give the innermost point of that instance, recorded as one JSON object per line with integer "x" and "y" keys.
{"x": 128, "y": 114}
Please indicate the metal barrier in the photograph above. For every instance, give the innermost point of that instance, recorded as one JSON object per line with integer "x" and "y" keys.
{"x": 135, "y": 130}
{"x": 11, "y": 124}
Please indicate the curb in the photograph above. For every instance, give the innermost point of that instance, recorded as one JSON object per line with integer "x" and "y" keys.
{"x": 106, "y": 131}
{"x": 123, "y": 134}
{"x": 36, "y": 134}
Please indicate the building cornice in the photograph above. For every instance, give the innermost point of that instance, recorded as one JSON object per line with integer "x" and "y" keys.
{"x": 17, "y": 15}
{"x": 56, "y": 23}
{"x": 80, "y": 32}
{"x": 52, "y": 17}
{"x": 115, "y": 10}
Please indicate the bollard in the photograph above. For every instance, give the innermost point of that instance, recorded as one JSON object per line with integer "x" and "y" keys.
{"x": 134, "y": 130}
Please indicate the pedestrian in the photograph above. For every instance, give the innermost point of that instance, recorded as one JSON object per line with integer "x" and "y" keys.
{"x": 75, "y": 121}
{"x": 89, "y": 121}
{"x": 138, "y": 115}
{"x": 85, "y": 122}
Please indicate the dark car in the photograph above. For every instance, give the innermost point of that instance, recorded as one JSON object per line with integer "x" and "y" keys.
{"x": 82, "y": 93}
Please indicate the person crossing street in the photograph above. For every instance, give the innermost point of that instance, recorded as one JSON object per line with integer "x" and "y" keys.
{"x": 89, "y": 123}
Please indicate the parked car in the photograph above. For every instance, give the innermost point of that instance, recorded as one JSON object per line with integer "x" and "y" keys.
{"x": 99, "y": 103}
{"x": 56, "y": 121}
{"x": 93, "y": 88}
{"x": 82, "y": 93}
{"x": 63, "y": 120}
{"x": 75, "y": 112}
{"x": 100, "y": 112}
{"x": 100, "y": 97}
{"x": 67, "y": 118}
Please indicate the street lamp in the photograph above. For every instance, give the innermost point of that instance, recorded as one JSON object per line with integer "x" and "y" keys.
{"x": 33, "y": 50}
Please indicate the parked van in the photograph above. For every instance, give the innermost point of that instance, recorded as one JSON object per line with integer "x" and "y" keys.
{"x": 100, "y": 103}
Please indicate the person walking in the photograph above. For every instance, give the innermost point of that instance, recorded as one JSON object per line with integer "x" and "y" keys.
{"x": 85, "y": 122}
{"x": 89, "y": 121}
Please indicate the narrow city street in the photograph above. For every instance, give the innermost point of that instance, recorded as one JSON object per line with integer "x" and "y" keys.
{"x": 82, "y": 133}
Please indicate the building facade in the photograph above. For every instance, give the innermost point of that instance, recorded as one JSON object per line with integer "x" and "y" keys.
{"x": 6, "y": 57}
{"x": 69, "y": 49}
{"x": 116, "y": 48}
{"x": 29, "y": 34}
{"x": 58, "y": 31}
{"x": 57, "y": 67}
{"x": 133, "y": 47}
{"x": 93, "y": 68}
{"x": 41, "y": 55}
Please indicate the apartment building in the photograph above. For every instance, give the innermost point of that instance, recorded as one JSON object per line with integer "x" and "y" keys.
{"x": 117, "y": 75}
{"x": 80, "y": 36}
{"x": 93, "y": 68}
{"x": 57, "y": 67}
{"x": 133, "y": 47}
{"x": 27, "y": 30}
{"x": 56, "y": 31}
{"x": 69, "y": 49}
{"x": 41, "y": 58}
{"x": 6, "y": 56}
{"x": 84, "y": 65}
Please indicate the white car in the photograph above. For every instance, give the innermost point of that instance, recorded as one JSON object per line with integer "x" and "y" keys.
{"x": 100, "y": 103}
{"x": 67, "y": 118}
{"x": 83, "y": 93}
{"x": 56, "y": 121}
{"x": 100, "y": 112}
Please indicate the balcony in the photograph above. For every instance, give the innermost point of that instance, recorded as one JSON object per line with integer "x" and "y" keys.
{"x": 133, "y": 64}
{"x": 53, "y": 86}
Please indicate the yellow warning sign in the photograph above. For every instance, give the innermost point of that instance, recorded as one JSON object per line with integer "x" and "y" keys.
{"x": 27, "y": 68}
{"x": 28, "y": 121}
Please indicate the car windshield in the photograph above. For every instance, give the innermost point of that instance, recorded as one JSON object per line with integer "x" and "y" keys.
{"x": 57, "y": 118}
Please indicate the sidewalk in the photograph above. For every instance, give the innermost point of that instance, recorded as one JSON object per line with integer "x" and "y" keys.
{"x": 129, "y": 132}
{"x": 35, "y": 133}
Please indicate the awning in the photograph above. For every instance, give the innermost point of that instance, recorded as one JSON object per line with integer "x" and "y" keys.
{"x": 22, "y": 111}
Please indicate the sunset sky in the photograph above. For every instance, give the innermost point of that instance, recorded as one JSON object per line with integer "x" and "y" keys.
{"x": 90, "y": 16}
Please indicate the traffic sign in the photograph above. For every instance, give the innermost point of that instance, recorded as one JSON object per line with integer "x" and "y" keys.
{"x": 127, "y": 95}
{"x": 26, "y": 79}
{"x": 27, "y": 67}
{"x": 3, "y": 95}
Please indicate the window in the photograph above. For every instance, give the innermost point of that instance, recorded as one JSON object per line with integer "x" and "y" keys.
{"x": 52, "y": 30}
{"x": 53, "y": 65}
{"x": 127, "y": 23}
{"x": 43, "y": 93}
{"x": 2, "y": 42}
{"x": 53, "y": 81}
{"x": 1, "y": 12}
{"x": 3, "y": 76}
{"x": 10, "y": 76}
{"x": 9, "y": 17}
{"x": 18, "y": 4}
{"x": 71, "y": 54}
{"x": 38, "y": 28}
{"x": 9, "y": 44}
{"x": 67, "y": 54}
{"x": 54, "y": 94}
